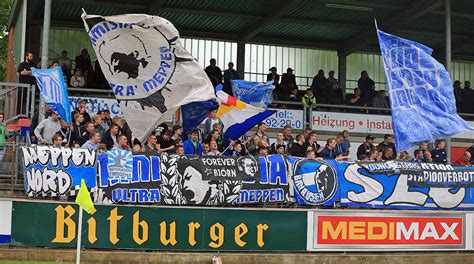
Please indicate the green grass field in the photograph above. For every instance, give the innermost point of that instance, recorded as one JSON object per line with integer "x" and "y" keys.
{"x": 28, "y": 262}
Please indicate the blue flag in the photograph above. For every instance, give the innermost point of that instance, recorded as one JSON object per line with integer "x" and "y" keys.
{"x": 420, "y": 91}
{"x": 255, "y": 93}
{"x": 53, "y": 90}
{"x": 194, "y": 113}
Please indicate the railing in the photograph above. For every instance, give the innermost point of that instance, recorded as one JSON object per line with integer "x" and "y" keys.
{"x": 11, "y": 180}
{"x": 17, "y": 100}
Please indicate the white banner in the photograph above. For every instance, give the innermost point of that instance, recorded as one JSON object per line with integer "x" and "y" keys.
{"x": 284, "y": 117}
{"x": 361, "y": 123}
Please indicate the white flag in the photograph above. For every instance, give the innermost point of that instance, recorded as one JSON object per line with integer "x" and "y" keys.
{"x": 146, "y": 66}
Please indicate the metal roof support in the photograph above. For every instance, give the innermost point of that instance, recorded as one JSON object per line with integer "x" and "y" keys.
{"x": 447, "y": 6}
{"x": 284, "y": 7}
{"x": 390, "y": 23}
{"x": 342, "y": 70}
{"x": 241, "y": 59}
{"x": 46, "y": 23}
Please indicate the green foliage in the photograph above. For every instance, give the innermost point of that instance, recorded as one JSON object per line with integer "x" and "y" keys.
{"x": 5, "y": 6}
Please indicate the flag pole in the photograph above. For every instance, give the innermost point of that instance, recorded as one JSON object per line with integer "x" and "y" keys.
{"x": 447, "y": 9}
{"x": 79, "y": 235}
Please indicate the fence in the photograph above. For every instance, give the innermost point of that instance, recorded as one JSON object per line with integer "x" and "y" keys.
{"x": 17, "y": 100}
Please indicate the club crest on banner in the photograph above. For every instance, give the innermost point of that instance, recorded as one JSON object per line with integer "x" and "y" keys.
{"x": 315, "y": 181}
{"x": 120, "y": 165}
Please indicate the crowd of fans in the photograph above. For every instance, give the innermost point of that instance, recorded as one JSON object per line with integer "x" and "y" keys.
{"x": 101, "y": 132}
{"x": 323, "y": 90}
{"x": 83, "y": 75}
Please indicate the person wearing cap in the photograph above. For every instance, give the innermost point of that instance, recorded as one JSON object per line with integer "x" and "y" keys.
{"x": 263, "y": 150}
{"x": 288, "y": 83}
{"x": 273, "y": 76}
{"x": 366, "y": 147}
{"x": 81, "y": 109}
{"x": 387, "y": 143}
{"x": 47, "y": 128}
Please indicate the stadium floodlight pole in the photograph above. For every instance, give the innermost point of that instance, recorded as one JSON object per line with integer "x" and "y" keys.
{"x": 447, "y": 5}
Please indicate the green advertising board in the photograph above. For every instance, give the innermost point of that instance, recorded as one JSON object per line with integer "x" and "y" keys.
{"x": 159, "y": 228}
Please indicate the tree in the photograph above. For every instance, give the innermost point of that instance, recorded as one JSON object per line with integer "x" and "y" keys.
{"x": 5, "y": 6}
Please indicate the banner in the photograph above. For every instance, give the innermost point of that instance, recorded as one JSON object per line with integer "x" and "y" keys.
{"x": 255, "y": 93}
{"x": 271, "y": 187}
{"x": 420, "y": 92}
{"x": 159, "y": 228}
{"x": 209, "y": 180}
{"x": 406, "y": 185}
{"x": 315, "y": 181}
{"x": 55, "y": 172}
{"x": 149, "y": 71}
{"x": 53, "y": 90}
{"x": 387, "y": 231}
{"x": 94, "y": 105}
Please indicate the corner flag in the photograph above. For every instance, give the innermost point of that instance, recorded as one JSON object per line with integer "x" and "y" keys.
{"x": 83, "y": 198}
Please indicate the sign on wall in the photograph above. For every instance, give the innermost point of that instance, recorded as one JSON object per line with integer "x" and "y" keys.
{"x": 5, "y": 222}
{"x": 284, "y": 117}
{"x": 361, "y": 123}
{"x": 156, "y": 228}
{"x": 386, "y": 231}
{"x": 94, "y": 104}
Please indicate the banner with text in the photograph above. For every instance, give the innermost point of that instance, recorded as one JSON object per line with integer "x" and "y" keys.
{"x": 171, "y": 179}
{"x": 158, "y": 228}
{"x": 54, "y": 172}
{"x": 406, "y": 185}
{"x": 361, "y": 123}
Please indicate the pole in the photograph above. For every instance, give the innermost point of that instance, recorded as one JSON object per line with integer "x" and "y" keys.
{"x": 44, "y": 50}
{"x": 447, "y": 5}
{"x": 79, "y": 235}
{"x": 46, "y": 24}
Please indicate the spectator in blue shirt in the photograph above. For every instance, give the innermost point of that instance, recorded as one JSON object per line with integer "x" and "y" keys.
{"x": 418, "y": 155}
{"x": 192, "y": 145}
{"x": 329, "y": 151}
{"x": 339, "y": 146}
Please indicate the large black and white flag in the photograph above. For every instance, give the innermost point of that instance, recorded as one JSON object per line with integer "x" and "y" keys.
{"x": 149, "y": 71}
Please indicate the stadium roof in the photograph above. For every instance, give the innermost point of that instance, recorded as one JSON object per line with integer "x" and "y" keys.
{"x": 342, "y": 25}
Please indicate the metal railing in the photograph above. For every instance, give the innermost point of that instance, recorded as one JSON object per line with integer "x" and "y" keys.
{"x": 18, "y": 100}
{"x": 11, "y": 176}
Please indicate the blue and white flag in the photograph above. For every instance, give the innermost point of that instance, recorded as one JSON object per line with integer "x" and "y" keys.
{"x": 194, "y": 113}
{"x": 53, "y": 90}
{"x": 420, "y": 91}
{"x": 237, "y": 116}
{"x": 255, "y": 93}
{"x": 149, "y": 71}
